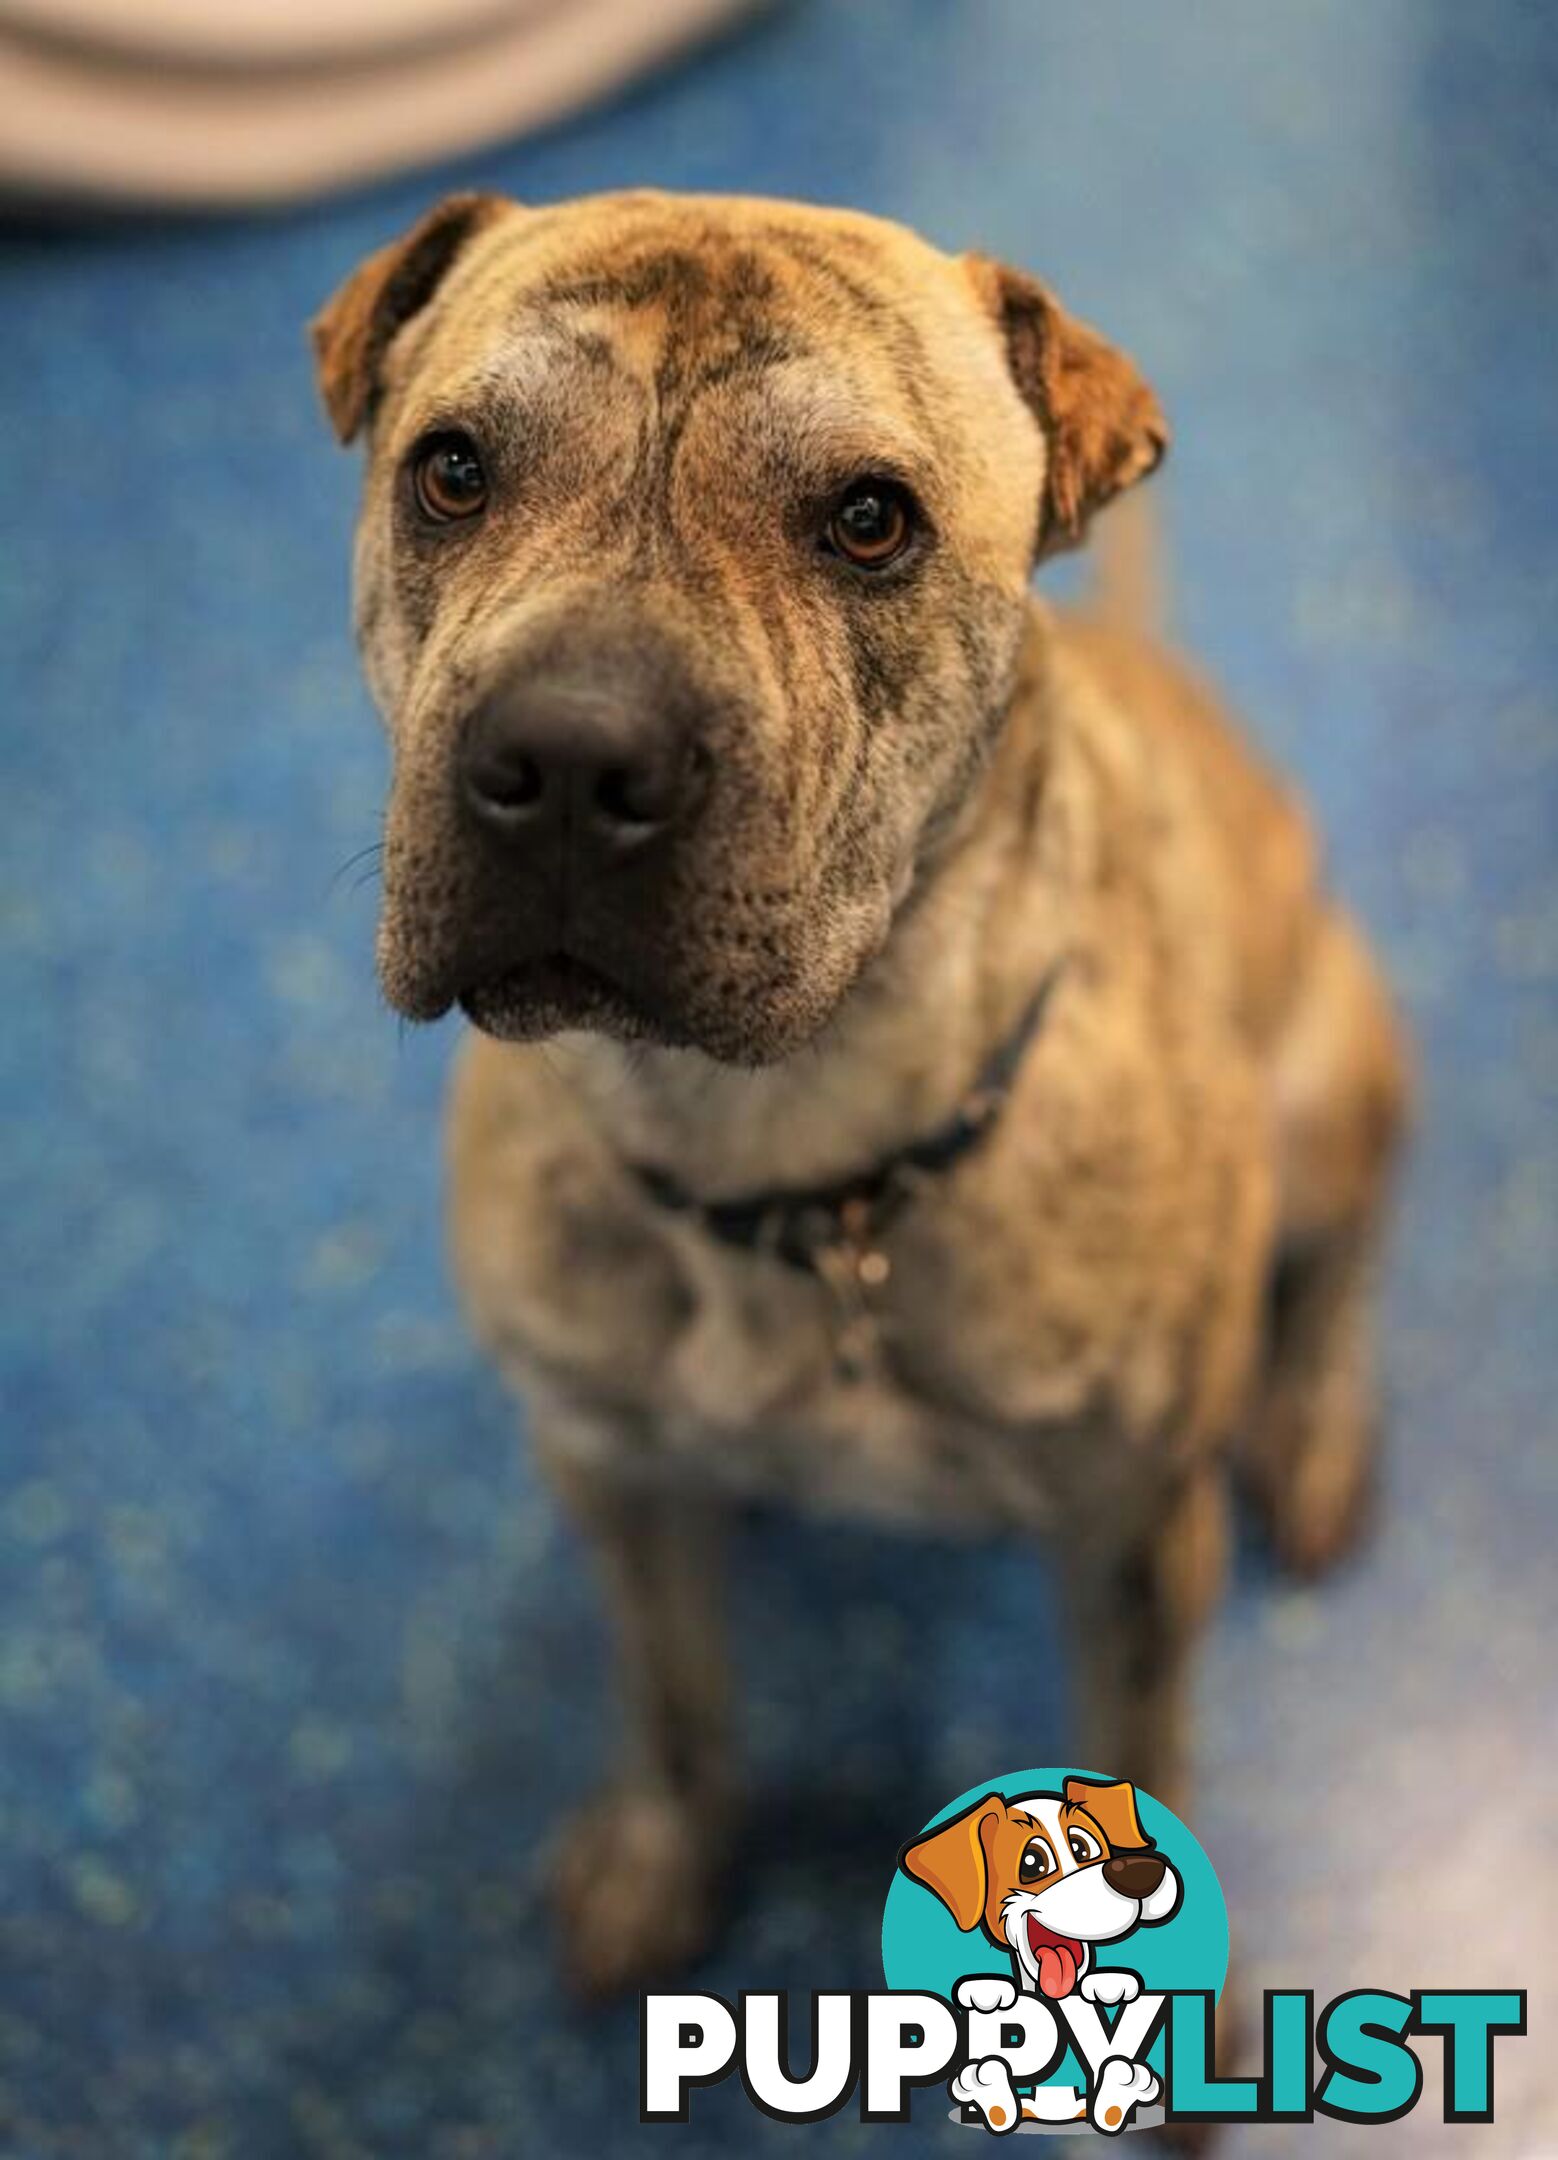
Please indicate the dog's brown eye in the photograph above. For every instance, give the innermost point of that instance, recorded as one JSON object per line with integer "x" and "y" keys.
{"x": 872, "y": 525}
{"x": 1037, "y": 1861}
{"x": 1084, "y": 1847}
{"x": 447, "y": 477}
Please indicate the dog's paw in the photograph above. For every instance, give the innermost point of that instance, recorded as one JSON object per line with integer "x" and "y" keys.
{"x": 987, "y": 2086}
{"x": 987, "y": 1992}
{"x": 633, "y": 1887}
{"x": 1110, "y": 1985}
{"x": 1121, "y": 2087}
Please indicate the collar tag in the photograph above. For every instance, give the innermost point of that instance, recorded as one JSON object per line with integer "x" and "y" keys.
{"x": 838, "y": 1232}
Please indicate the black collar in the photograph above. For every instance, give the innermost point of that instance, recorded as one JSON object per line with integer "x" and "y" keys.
{"x": 823, "y": 1228}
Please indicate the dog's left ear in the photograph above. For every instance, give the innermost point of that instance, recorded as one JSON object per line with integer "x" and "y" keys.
{"x": 353, "y": 330}
{"x": 1113, "y": 1808}
{"x": 1102, "y": 424}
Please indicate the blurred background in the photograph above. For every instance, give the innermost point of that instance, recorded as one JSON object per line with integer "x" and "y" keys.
{"x": 296, "y": 1663}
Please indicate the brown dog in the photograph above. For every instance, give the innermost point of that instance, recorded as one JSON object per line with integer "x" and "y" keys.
{"x": 917, "y": 1069}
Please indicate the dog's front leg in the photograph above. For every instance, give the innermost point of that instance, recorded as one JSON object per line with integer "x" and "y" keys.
{"x": 639, "y": 1868}
{"x": 1137, "y": 1602}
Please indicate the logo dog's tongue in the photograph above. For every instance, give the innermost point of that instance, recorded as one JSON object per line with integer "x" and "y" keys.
{"x": 1057, "y": 1959}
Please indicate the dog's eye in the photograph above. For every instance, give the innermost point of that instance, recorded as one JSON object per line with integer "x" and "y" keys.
{"x": 872, "y": 524}
{"x": 447, "y": 478}
{"x": 1084, "y": 1847}
{"x": 1037, "y": 1861}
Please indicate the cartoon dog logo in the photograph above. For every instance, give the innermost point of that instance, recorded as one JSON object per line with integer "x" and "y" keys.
{"x": 1048, "y": 1876}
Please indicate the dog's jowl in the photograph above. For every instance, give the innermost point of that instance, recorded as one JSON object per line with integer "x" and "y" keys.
{"x": 916, "y": 1069}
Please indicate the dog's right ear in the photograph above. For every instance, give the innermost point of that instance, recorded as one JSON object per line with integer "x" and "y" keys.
{"x": 953, "y": 1861}
{"x": 352, "y": 332}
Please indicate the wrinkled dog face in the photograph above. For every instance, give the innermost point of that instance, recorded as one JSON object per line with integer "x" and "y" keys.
{"x": 690, "y": 580}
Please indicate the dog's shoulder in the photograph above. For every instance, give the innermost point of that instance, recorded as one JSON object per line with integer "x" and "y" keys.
{"x": 1229, "y": 837}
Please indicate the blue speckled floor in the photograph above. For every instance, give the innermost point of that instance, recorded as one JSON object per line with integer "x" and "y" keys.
{"x": 295, "y": 1664}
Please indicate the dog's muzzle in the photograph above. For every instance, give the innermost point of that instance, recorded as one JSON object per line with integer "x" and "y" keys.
{"x": 578, "y": 790}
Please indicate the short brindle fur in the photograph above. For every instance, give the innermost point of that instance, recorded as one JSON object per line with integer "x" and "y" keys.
{"x": 745, "y": 860}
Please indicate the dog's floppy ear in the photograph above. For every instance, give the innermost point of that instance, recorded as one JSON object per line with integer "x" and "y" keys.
{"x": 1103, "y": 427}
{"x": 352, "y": 332}
{"x": 1113, "y": 1808}
{"x": 952, "y": 1861}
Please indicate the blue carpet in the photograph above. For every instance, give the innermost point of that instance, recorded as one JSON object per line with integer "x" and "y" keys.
{"x": 296, "y": 1665}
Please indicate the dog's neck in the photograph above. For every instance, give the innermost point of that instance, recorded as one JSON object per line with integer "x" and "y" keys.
{"x": 960, "y": 965}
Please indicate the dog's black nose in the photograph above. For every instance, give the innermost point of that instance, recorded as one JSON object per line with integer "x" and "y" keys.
{"x": 1134, "y": 1874}
{"x": 559, "y": 753}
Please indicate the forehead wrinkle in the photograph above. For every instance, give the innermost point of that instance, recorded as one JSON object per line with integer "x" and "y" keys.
{"x": 518, "y": 371}
{"x": 681, "y": 344}
{"x": 831, "y": 421}
{"x": 771, "y": 265}
{"x": 563, "y": 361}
{"x": 866, "y": 294}
{"x": 754, "y": 296}
{"x": 800, "y": 400}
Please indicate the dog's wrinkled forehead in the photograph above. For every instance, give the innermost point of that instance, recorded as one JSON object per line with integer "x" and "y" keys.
{"x": 838, "y": 318}
{"x": 651, "y": 335}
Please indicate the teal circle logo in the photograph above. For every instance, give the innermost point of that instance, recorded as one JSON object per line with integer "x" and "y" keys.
{"x": 1079, "y": 1894}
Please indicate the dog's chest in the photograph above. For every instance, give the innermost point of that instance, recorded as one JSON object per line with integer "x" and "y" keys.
{"x": 888, "y": 1399}
{"x": 1048, "y": 1311}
